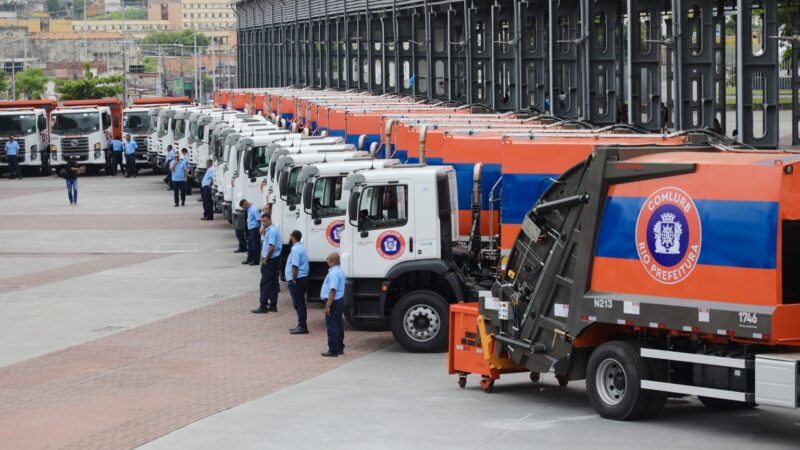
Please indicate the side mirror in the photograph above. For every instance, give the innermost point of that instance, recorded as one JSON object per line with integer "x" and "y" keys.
{"x": 283, "y": 185}
{"x": 308, "y": 192}
{"x": 352, "y": 209}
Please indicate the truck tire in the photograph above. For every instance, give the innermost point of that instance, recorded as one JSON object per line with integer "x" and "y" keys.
{"x": 419, "y": 322}
{"x": 719, "y": 404}
{"x": 613, "y": 382}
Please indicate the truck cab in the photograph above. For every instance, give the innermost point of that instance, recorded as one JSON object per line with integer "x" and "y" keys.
{"x": 136, "y": 122}
{"x": 29, "y": 128}
{"x": 226, "y": 163}
{"x": 398, "y": 253}
{"x": 83, "y": 132}
{"x": 323, "y": 215}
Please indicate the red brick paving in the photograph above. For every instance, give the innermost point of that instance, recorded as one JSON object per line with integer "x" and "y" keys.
{"x": 99, "y": 263}
{"x": 127, "y": 389}
{"x": 182, "y": 221}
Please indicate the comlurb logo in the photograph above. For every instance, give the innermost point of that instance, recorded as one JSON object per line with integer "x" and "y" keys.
{"x": 668, "y": 235}
{"x": 334, "y": 232}
{"x": 390, "y": 244}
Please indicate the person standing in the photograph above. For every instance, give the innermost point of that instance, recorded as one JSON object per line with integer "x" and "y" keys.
{"x": 71, "y": 175}
{"x": 205, "y": 191}
{"x": 116, "y": 155}
{"x": 130, "y": 156}
{"x": 270, "y": 266}
{"x": 547, "y": 106}
{"x": 332, "y": 293}
{"x": 178, "y": 169}
{"x": 253, "y": 215}
{"x": 296, "y": 273}
{"x": 664, "y": 117}
{"x": 12, "y": 154}
{"x": 170, "y": 158}
{"x": 562, "y": 102}
{"x": 185, "y": 158}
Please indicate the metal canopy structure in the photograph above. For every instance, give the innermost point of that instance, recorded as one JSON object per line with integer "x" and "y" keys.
{"x": 651, "y": 63}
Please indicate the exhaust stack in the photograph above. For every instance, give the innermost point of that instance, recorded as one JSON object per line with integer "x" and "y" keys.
{"x": 373, "y": 149}
{"x": 362, "y": 140}
{"x": 387, "y": 136}
{"x": 477, "y": 200}
{"x": 422, "y": 137}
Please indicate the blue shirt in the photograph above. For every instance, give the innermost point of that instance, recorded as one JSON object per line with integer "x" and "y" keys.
{"x": 272, "y": 236}
{"x": 253, "y": 217}
{"x": 170, "y": 156}
{"x": 130, "y": 147}
{"x": 12, "y": 148}
{"x": 334, "y": 280}
{"x": 179, "y": 174}
{"x": 297, "y": 257}
{"x": 116, "y": 145}
{"x": 208, "y": 177}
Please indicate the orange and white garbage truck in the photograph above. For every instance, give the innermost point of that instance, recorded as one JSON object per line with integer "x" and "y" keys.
{"x": 651, "y": 272}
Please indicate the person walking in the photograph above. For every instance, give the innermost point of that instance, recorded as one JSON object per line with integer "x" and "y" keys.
{"x": 170, "y": 158}
{"x": 253, "y": 236}
{"x": 296, "y": 273}
{"x": 71, "y": 175}
{"x": 332, "y": 293}
{"x": 270, "y": 266}
{"x": 116, "y": 155}
{"x": 178, "y": 169}
{"x": 12, "y": 155}
{"x": 185, "y": 157}
{"x": 205, "y": 191}
{"x": 130, "y": 156}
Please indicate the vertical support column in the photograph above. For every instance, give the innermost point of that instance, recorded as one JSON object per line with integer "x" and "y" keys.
{"x": 406, "y": 65}
{"x": 795, "y": 81}
{"x": 480, "y": 48}
{"x": 504, "y": 56}
{"x": 601, "y": 48}
{"x": 757, "y": 73}
{"x": 398, "y": 48}
{"x": 718, "y": 62}
{"x": 534, "y": 60}
{"x": 468, "y": 53}
{"x": 644, "y": 74}
{"x": 431, "y": 81}
{"x": 370, "y": 34}
{"x": 439, "y": 53}
{"x": 696, "y": 64}
{"x": 566, "y": 60}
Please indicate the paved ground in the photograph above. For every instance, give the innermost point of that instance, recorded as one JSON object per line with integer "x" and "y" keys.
{"x": 125, "y": 322}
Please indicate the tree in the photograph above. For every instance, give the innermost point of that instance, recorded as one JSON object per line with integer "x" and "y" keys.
{"x": 3, "y": 82}
{"x": 90, "y": 86}
{"x": 53, "y": 6}
{"x": 171, "y": 40}
{"x": 31, "y": 83}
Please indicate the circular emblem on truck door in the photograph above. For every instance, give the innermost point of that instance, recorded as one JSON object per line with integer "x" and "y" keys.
{"x": 334, "y": 232}
{"x": 390, "y": 244}
{"x": 668, "y": 235}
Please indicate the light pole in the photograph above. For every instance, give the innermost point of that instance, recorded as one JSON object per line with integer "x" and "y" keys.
{"x": 124, "y": 60}
{"x": 196, "y": 67}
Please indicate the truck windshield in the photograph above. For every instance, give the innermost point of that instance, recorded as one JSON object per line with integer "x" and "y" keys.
{"x": 135, "y": 122}
{"x": 180, "y": 127}
{"x": 84, "y": 122}
{"x": 294, "y": 195}
{"x": 17, "y": 125}
{"x": 328, "y": 201}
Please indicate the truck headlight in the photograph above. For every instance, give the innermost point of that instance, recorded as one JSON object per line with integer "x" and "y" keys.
{"x": 34, "y": 151}
{"x": 97, "y": 147}
{"x": 53, "y": 148}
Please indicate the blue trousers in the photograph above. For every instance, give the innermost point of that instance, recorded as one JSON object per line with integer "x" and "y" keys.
{"x": 72, "y": 190}
{"x": 269, "y": 283}
{"x": 130, "y": 162}
{"x": 335, "y": 325}
{"x": 208, "y": 204}
{"x": 253, "y": 247}
{"x": 298, "y": 292}
{"x": 13, "y": 166}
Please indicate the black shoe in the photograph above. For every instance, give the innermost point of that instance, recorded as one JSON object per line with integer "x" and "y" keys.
{"x": 341, "y": 352}
{"x": 169, "y": 189}
{"x": 329, "y": 354}
{"x": 260, "y": 310}
{"x": 273, "y": 308}
{"x": 176, "y": 205}
{"x": 298, "y": 330}
{"x": 245, "y": 262}
{"x": 253, "y": 263}
{"x": 183, "y": 203}
{"x": 239, "y": 251}
{"x": 127, "y": 176}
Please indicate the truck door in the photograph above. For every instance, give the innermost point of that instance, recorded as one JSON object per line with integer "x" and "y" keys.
{"x": 327, "y": 216}
{"x": 290, "y": 202}
{"x": 385, "y": 235}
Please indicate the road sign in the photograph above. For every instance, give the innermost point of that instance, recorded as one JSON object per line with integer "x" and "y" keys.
{"x": 178, "y": 86}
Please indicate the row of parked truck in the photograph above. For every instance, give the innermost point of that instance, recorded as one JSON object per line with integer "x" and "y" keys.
{"x": 650, "y": 265}
{"x": 48, "y": 133}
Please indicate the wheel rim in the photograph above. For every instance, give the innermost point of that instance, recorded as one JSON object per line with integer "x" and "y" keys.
{"x": 421, "y": 323}
{"x": 611, "y": 381}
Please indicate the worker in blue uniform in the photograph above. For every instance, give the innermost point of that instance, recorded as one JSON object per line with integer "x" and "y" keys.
{"x": 116, "y": 155}
{"x": 253, "y": 236}
{"x": 270, "y": 266}
{"x": 205, "y": 191}
{"x": 12, "y": 155}
{"x": 130, "y": 156}
{"x": 332, "y": 293}
{"x": 296, "y": 273}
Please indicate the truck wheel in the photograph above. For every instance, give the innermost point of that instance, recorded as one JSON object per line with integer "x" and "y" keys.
{"x": 613, "y": 380}
{"x": 419, "y": 322}
{"x": 719, "y": 404}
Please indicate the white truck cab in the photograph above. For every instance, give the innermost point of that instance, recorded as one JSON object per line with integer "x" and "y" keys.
{"x": 136, "y": 122}
{"x": 323, "y": 215}
{"x": 398, "y": 252}
{"x": 84, "y": 132}
{"x": 29, "y": 128}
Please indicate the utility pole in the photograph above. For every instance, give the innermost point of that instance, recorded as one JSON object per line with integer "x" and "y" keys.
{"x": 196, "y": 68}
{"x": 85, "y": 34}
{"x": 124, "y": 60}
{"x": 13, "y": 79}
{"x": 160, "y": 89}
{"x": 213, "y": 66}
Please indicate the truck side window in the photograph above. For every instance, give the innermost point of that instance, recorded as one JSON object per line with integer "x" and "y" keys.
{"x": 262, "y": 162}
{"x": 295, "y": 194}
{"x": 383, "y": 207}
{"x": 328, "y": 201}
